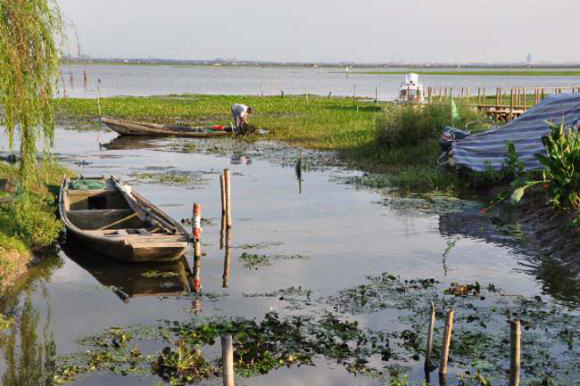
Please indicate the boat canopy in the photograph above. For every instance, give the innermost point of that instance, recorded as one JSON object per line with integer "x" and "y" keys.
{"x": 481, "y": 151}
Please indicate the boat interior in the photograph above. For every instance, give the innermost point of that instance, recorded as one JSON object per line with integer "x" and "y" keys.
{"x": 106, "y": 211}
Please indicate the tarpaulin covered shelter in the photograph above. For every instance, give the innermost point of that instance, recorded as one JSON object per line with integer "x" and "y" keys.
{"x": 481, "y": 151}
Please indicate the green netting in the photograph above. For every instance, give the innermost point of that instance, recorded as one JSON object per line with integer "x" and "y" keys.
{"x": 87, "y": 185}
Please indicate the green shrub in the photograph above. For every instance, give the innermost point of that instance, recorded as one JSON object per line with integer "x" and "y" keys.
{"x": 562, "y": 166}
{"x": 31, "y": 218}
{"x": 410, "y": 125}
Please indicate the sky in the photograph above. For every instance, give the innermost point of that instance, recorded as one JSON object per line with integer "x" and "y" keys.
{"x": 375, "y": 31}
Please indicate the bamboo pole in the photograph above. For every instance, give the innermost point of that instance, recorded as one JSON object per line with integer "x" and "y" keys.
{"x": 525, "y": 101}
{"x": 516, "y": 348}
{"x": 430, "y": 94}
{"x": 376, "y": 94}
{"x": 429, "y": 348}
{"x": 228, "y": 188}
{"x": 484, "y": 98}
{"x": 446, "y": 343}
{"x": 227, "y": 259}
{"x": 228, "y": 360}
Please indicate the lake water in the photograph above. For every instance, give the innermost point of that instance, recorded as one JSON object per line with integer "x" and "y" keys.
{"x": 162, "y": 80}
{"x": 330, "y": 234}
{"x": 322, "y": 234}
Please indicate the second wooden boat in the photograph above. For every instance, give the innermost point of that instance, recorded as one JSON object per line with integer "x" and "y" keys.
{"x": 125, "y": 127}
{"x": 110, "y": 218}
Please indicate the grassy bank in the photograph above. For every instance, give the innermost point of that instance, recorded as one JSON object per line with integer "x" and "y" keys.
{"x": 340, "y": 124}
{"x": 321, "y": 123}
{"x": 28, "y": 223}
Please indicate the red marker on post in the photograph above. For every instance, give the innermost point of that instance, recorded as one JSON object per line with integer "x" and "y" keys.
{"x": 196, "y": 221}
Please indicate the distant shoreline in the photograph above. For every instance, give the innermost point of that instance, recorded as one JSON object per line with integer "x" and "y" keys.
{"x": 426, "y": 68}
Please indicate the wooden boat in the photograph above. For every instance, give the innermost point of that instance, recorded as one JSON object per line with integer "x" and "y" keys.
{"x": 125, "y": 127}
{"x": 119, "y": 223}
{"x": 128, "y": 280}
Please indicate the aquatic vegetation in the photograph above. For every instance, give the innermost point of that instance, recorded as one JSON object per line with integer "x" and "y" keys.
{"x": 155, "y": 273}
{"x": 296, "y": 297}
{"x": 479, "y": 347}
{"x": 170, "y": 177}
{"x": 255, "y": 261}
{"x": 184, "y": 364}
{"x": 480, "y": 336}
{"x": 259, "y": 245}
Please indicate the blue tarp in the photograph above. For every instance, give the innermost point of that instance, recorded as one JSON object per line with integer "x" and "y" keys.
{"x": 481, "y": 151}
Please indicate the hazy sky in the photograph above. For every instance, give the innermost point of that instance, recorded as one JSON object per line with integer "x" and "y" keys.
{"x": 325, "y": 30}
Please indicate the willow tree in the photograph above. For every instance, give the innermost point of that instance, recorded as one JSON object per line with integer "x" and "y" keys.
{"x": 29, "y": 71}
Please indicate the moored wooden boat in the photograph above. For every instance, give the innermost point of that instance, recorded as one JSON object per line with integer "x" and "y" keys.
{"x": 113, "y": 220}
{"x": 125, "y": 127}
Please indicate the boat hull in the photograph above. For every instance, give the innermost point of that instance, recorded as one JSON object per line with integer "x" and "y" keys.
{"x": 121, "y": 224}
{"x": 134, "y": 128}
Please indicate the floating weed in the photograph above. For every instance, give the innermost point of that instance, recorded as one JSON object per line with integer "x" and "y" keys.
{"x": 480, "y": 337}
{"x": 458, "y": 289}
{"x": 297, "y": 297}
{"x": 171, "y": 177}
{"x": 260, "y": 245}
{"x": 155, "y": 273}
{"x": 183, "y": 364}
{"x": 255, "y": 261}
{"x": 480, "y": 341}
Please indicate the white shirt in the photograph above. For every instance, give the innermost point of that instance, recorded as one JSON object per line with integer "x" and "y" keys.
{"x": 239, "y": 110}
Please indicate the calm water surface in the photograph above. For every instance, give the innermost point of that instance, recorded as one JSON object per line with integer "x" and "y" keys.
{"x": 343, "y": 232}
{"x": 162, "y": 80}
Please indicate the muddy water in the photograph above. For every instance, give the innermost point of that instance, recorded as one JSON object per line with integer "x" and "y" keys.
{"x": 325, "y": 235}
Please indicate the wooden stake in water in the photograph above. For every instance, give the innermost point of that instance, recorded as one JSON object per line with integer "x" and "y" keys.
{"x": 228, "y": 360}
{"x": 429, "y": 348}
{"x": 446, "y": 343}
{"x": 516, "y": 348}
{"x": 99, "y": 96}
{"x": 197, "y": 266}
{"x": 85, "y": 80}
{"x": 227, "y": 259}
{"x": 227, "y": 182}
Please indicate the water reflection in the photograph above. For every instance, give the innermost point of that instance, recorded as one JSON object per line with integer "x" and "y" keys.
{"x": 30, "y": 359}
{"x": 130, "y": 143}
{"x": 298, "y": 170}
{"x": 240, "y": 159}
{"x": 132, "y": 280}
{"x": 556, "y": 280}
